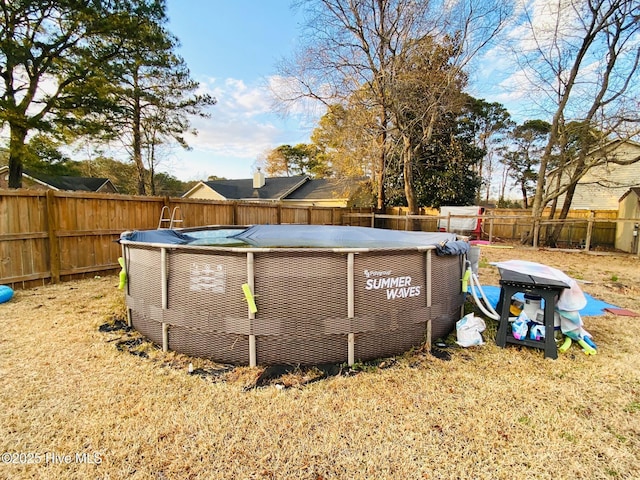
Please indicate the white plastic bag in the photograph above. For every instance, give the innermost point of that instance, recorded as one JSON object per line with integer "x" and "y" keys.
{"x": 468, "y": 330}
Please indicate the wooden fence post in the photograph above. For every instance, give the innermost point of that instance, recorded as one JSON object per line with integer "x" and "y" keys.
{"x": 491, "y": 228}
{"x": 235, "y": 213}
{"x": 54, "y": 246}
{"x": 587, "y": 242}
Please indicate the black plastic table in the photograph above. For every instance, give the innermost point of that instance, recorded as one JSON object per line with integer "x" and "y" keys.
{"x": 513, "y": 282}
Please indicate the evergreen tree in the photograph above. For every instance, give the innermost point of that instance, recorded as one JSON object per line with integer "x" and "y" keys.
{"x": 489, "y": 125}
{"x": 443, "y": 171}
{"x": 49, "y": 53}
{"x": 522, "y": 157}
{"x": 152, "y": 91}
{"x": 43, "y": 155}
{"x": 103, "y": 69}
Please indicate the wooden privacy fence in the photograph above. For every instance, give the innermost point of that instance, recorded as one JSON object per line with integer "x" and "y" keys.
{"x": 52, "y": 236}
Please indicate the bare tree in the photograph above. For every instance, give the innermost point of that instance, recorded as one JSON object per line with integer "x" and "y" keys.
{"x": 582, "y": 55}
{"x": 354, "y": 45}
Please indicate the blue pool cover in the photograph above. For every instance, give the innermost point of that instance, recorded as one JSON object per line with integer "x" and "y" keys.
{"x": 293, "y": 236}
{"x": 338, "y": 237}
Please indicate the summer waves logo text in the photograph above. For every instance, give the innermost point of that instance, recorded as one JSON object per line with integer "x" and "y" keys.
{"x": 395, "y": 286}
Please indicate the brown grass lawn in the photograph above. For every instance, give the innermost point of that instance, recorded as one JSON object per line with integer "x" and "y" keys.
{"x": 76, "y": 406}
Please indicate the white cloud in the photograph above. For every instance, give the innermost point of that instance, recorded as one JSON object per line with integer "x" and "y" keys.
{"x": 500, "y": 79}
{"x": 243, "y": 122}
{"x": 243, "y": 125}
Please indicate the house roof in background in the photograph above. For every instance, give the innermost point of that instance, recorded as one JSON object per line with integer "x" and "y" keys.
{"x": 273, "y": 189}
{"x": 62, "y": 182}
{"x": 323, "y": 188}
{"x": 635, "y": 190}
{"x": 613, "y": 144}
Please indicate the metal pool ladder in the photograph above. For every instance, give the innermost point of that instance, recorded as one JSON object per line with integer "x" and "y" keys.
{"x": 172, "y": 219}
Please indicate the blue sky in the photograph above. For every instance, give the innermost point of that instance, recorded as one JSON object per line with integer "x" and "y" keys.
{"x": 232, "y": 48}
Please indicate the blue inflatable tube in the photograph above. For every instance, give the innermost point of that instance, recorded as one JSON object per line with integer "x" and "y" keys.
{"x": 5, "y": 293}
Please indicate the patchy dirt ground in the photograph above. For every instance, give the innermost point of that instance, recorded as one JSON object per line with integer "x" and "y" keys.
{"x": 82, "y": 402}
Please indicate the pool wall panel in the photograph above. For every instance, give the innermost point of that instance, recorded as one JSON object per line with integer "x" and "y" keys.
{"x": 300, "y": 286}
{"x": 224, "y": 347}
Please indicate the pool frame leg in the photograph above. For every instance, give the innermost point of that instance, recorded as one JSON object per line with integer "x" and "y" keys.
{"x": 251, "y": 315}
{"x": 351, "y": 337}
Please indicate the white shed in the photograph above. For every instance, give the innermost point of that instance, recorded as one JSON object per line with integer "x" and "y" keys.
{"x": 627, "y": 232}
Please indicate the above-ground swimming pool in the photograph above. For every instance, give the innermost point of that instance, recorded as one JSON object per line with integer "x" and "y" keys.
{"x": 323, "y": 294}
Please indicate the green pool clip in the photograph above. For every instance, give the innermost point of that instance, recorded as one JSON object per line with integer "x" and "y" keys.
{"x": 248, "y": 295}
{"x": 465, "y": 280}
{"x": 123, "y": 274}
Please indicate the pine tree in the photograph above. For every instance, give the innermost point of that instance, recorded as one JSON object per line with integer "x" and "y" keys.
{"x": 153, "y": 91}
{"x": 49, "y": 53}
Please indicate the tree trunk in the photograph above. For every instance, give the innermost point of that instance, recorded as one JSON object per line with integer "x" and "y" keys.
{"x": 137, "y": 159}
{"x": 489, "y": 176}
{"x": 549, "y": 240}
{"x": 553, "y": 237}
{"x": 503, "y": 185}
{"x": 480, "y": 171}
{"x": 538, "y": 199}
{"x": 137, "y": 138}
{"x": 152, "y": 167}
{"x": 525, "y": 199}
{"x": 152, "y": 181}
{"x": 16, "y": 154}
{"x": 381, "y": 168}
{"x": 407, "y": 171}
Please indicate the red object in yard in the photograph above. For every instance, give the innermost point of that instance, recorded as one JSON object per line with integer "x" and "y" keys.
{"x": 622, "y": 312}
